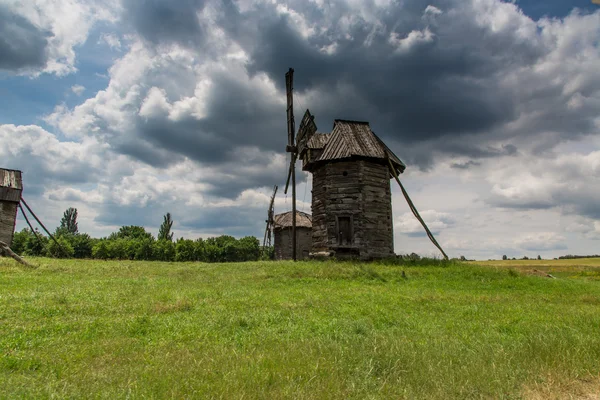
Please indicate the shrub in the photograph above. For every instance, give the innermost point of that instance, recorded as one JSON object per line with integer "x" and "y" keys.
{"x": 145, "y": 249}
{"x": 100, "y": 250}
{"x": 131, "y": 232}
{"x": 249, "y": 248}
{"x": 35, "y": 247}
{"x": 164, "y": 250}
{"x": 61, "y": 248}
{"x": 185, "y": 250}
{"x": 199, "y": 251}
{"x": 267, "y": 253}
{"x": 82, "y": 245}
{"x": 117, "y": 249}
{"x": 212, "y": 252}
{"x": 19, "y": 240}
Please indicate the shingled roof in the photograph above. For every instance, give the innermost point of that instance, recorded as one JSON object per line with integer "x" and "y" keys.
{"x": 11, "y": 185}
{"x": 318, "y": 141}
{"x": 303, "y": 220}
{"x": 355, "y": 139}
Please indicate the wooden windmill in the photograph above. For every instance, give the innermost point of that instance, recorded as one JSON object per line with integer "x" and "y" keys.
{"x": 270, "y": 221}
{"x": 11, "y": 198}
{"x": 296, "y": 146}
{"x": 351, "y": 197}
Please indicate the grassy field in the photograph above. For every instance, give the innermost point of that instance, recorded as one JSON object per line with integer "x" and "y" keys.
{"x": 322, "y": 330}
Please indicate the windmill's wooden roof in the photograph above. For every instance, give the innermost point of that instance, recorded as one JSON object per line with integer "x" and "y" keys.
{"x": 303, "y": 220}
{"x": 355, "y": 139}
{"x": 11, "y": 185}
{"x": 318, "y": 141}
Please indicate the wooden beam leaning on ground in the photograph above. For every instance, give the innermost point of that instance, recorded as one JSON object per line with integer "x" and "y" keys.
{"x": 5, "y": 250}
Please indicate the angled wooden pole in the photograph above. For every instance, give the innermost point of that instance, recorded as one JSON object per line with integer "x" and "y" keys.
{"x": 31, "y": 226}
{"x": 42, "y": 225}
{"x": 414, "y": 209}
{"x": 294, "y": 239}
{"x": 291, "y": 148}
{"x": 4, "y": 249}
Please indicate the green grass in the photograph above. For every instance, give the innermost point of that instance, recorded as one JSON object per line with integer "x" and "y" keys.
{"x": 272, "y": 330}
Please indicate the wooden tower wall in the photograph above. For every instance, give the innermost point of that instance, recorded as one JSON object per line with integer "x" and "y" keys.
{"x": 8, "y": 217}
{"x": 357, "y": 192}
{"x": 283, "y": 243}
{"x": 11, "y": 187}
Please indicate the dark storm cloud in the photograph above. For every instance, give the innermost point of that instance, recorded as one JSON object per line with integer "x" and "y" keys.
{"x": 112, "y": 213}
{"x": 521, "y": 204}
{"x": 235, "y": 118}
{"x": 163, "y": 21}
{"x": 573, "y": 195}
{"x": 22, "y": 45}
{"x": 429, "y": 91}
{"x": 436, "y": 91}
{"x": 442, "y": 93}
{"x": 465, "y": 165}
{"x": 236, "y": 221}
{"x": 543, "y": 246}
{"x": 582, "y": 202}
{"x": 149, "y": 153}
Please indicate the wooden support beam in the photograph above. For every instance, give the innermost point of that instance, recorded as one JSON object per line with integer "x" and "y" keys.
{"x": 5, "y": 250}
{"x": 42, "y": 225}
{"x": 414, "y": 210}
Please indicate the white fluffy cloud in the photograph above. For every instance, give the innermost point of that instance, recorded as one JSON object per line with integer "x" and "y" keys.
{"x": 436, "y": 221}
{"x": 570, "y": 182}
{"x": 65, "y": 24}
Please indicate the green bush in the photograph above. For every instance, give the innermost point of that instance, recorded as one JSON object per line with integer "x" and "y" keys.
{"x": 61, "y": 248}
{"x": 100, "y": 250}
{"x": 145, "y": 249}
{"x": 82, "y": 245}
{"x": 249, "y": 248}
{"x": 35, "y": 247}
{"x": 134, "y": 243}
{"x": 164, "y": 250}
{"x": 131, "y": 232}
{"x": 212, "y": 251}
{"x": 19, "y": 241}
{"x": 185, "y": 250}
{"x": 117, "y": 249}
{"x": 199, "y": 251}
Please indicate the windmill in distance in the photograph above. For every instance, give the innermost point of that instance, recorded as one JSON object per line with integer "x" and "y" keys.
{"x": 296, "y": 145}
{"x": 270, "y": 221}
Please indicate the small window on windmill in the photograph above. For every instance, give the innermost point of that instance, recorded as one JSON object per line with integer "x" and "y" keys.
{"x": 344, "y": 231}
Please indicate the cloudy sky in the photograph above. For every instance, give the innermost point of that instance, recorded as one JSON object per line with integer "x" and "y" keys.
{"x": 128, "y": 109}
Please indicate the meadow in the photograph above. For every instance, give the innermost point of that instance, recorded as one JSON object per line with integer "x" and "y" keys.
{"x": 306, "y": 330}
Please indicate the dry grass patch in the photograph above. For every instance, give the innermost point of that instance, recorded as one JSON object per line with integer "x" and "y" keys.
{"x": 180, "y": 305}
{"x": 554, "y": 387}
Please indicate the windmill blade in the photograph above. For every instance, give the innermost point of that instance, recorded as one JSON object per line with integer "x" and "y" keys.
{"x": 265, "y": 238}
{"x": 270, "y": 220}
{"x": 272, "y": 201}
{"x": 287, "y": 182}
{"x": 269, "y": 237}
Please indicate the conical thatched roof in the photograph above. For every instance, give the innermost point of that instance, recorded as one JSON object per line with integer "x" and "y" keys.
{"x": 303, "y": 220}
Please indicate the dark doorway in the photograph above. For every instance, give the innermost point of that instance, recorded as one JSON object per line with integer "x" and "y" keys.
{"x": 344, "y": 231}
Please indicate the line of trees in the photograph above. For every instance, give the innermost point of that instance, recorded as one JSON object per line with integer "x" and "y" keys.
{"x": 134, "y": 243}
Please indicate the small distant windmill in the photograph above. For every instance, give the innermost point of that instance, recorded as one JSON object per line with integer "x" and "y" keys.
{"x": 270, "y": 221}
{"x": 295, "y": 146}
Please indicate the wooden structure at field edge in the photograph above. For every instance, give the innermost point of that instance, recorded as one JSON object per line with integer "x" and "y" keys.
{"x": 11, "y": 187}
{"x": 282, "y": 228}
{"x": 351, "y": 196}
